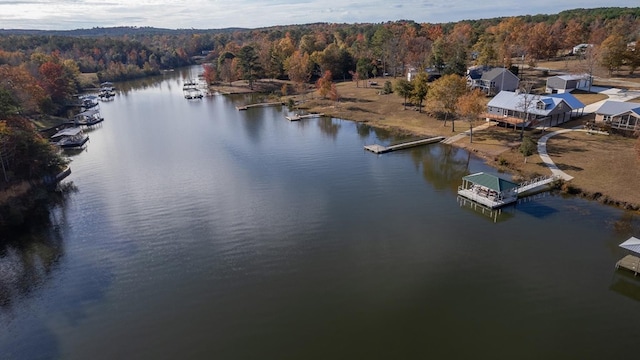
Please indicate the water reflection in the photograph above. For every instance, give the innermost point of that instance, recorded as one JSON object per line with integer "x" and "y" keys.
{"x": 27, "y": 261}
{"x": 442, "y": 166}
{"x": 626, "y": 284}
{"x": 329, "y": 127}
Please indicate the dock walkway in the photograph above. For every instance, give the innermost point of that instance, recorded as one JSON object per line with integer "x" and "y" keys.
{"x": 300, "y": 117}
{"x": 245, "y": 107}
{"x": 629, "y": 262}
{"x": 379, "y": 149}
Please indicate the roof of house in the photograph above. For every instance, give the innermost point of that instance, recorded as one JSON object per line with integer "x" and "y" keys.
{"x": 492, "y": 182}
{"x": 514, "y": 101}
{"x": 569, "y": 99}
{"x": 494, "y": 73}
{"x": 475, "y": 72}
{"x": 611, "y": 107}
{"x": 570, "y": 77}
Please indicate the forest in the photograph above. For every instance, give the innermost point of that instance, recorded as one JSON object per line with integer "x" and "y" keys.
{"x": 40, "y": 71}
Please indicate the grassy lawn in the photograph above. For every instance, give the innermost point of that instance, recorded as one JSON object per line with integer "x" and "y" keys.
{"x": 600, "y": 164}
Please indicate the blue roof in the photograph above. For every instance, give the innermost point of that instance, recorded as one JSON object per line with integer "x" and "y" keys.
{"x": 569, "y": 99}
{"x": 513, "y": 101}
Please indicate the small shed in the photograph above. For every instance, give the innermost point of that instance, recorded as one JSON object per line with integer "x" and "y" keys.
{"x": 566, "y": 83}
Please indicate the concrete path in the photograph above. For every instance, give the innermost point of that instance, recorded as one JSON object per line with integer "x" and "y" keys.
{"x": 546, "y": 159}
{"x": 454, "y": 138}
{"x": 614, "y": 94}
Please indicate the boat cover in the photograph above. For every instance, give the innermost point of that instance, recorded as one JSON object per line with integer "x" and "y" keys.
{"x": 67, "y": 132}
{"x": 633, "y": 244}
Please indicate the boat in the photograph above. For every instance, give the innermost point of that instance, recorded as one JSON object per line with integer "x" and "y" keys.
{"x": 193, "y": 94}
{"x": 89, "y": 101}
{"x": 88, "y": 118}
{"x": 107, "y": 91}
{"x": 70, "y": 138}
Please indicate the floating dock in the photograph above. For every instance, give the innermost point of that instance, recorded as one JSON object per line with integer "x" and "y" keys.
{"x": 300, "y": 117}
{"x": 379, "y": 149}
{"x": 629, "y": 262}
{"x": 245, "y": 107}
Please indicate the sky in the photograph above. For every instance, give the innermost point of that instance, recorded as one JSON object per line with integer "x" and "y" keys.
{"x": 218, "y": 14}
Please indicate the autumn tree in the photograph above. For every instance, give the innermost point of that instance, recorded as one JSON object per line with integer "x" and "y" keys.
{"x": 444, "y": 94}
{"x": 22, "y": 88}
{"x": 298, "y": 67}
{"x": 420, "y": 89}
{"x": 324, "y": 84}
{"x": 57, "y": 81}
{"x": 470, "y": 106}
{"x": 210, "y": 73}
{"x": 404, "y": 88}
{"x": 612, "y": 52}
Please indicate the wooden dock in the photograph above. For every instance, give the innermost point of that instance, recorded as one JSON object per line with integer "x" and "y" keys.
{"x": 300, "y": 117}
{"x": 629, "y": 262}
{"x": 245, "y": 107}
{"x": 379, "y": 149}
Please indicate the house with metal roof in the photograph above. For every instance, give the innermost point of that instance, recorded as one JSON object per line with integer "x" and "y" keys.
{"x": 520, "y": 109}
{"x": 619, "y": 115}
{"x": 566, "y": 83}
{"x": 491, "y": 80}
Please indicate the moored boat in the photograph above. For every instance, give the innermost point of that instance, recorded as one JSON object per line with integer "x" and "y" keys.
{"x": 70, "y": 138}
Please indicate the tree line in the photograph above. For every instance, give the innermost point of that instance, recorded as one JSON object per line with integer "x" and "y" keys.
{"x": 40, "y": 72}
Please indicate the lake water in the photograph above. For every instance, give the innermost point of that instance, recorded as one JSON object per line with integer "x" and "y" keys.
{"x": 200, "y": 231}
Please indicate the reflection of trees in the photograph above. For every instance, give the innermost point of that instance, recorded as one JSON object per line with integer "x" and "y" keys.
{"x": 27, "y": 262}
{"x": 363, "y": 130}
{"x": 442, "y": 165}
{"x": 328, "y": 127}
{"x": 28, "y": 256}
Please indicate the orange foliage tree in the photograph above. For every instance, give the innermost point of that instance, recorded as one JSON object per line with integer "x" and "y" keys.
{"x": 324, "y": 84}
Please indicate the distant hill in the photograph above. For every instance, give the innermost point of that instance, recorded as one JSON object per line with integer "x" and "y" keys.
{"x": 585, "y": 16}
{"x": 116, "y": 31}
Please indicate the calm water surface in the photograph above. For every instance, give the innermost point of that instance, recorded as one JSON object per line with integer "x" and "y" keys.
{"x": 200, "y": 231}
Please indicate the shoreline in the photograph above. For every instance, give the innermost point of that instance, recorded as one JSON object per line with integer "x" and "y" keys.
{"x": 497, "y": 146}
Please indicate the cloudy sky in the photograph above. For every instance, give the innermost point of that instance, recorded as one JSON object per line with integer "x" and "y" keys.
{"x": 216, "y": 14}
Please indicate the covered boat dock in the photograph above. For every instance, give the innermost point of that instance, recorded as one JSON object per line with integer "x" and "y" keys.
{"x": 630, "y": 262}
{"x": 489, "y": 190}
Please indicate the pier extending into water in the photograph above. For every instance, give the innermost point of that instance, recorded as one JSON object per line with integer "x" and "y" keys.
{"x": 300, "y": 117}
{"x": 379, "y": 149}
{"x": 629, "y": 262}
{"x": 245, "y": 107}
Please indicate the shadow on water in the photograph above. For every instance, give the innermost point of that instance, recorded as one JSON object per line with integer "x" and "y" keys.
{"x": 329, "y": 127}
{"x": 30, "y": 259}
{"x": 626, "y": 284}
{"x": 31, "y": 252}
{"x": 442, "y": 166}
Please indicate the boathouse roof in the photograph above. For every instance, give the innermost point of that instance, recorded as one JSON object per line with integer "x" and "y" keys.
{"x": 633, "y": 244}
{"x": 490, "y": 181}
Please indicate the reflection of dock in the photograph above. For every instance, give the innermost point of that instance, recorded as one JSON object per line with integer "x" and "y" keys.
{"x": 300, "y": 117}
{"x": 379, "y": 149}
{"x": 245, "y": 107}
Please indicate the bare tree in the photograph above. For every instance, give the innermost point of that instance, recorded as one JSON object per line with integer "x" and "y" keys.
{"x": 526, "y": 102}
